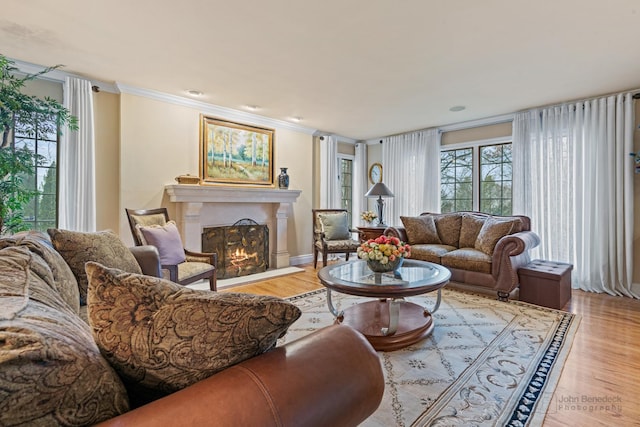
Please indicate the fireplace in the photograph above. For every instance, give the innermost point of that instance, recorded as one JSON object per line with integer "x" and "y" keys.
{"x": 242, "y": 248}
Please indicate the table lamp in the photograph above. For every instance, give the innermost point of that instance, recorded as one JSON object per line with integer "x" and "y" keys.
{"x": 379, "y": 190}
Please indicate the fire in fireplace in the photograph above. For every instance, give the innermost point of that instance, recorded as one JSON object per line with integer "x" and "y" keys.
{"x": 242, "y": 248}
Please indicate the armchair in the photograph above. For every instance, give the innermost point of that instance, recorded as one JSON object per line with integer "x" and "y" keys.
{"x": 332, "y": 234}
{"x": 195, "y": 266}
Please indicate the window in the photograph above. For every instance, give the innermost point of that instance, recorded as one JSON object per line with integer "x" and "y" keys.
{"x": 346, "y": 185}
{"x": 476, "y": 177}
{"x": 41, "y": 138}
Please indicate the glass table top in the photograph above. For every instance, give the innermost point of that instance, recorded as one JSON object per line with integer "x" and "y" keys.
{"x": 412, "y": 274}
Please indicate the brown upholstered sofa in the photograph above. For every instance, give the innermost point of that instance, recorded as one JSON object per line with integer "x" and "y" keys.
{"x": 482, "y": 251}
{"x": 53, "y": 370}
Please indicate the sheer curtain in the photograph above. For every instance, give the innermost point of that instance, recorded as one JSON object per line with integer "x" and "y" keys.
{"x": 329, "y": 183}
{"x": 573, "y": 177}
{"x": 77, "y": 199}
{"x": 359, "y": 182}
{"x": 412, "y": 172}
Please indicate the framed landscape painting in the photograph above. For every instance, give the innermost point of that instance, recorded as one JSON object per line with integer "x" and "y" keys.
{"x": 234, "y": 153}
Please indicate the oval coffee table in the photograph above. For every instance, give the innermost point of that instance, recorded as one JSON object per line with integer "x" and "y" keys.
{"x": 389, "y": 322}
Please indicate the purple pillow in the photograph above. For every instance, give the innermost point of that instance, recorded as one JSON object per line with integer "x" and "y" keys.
{"x": 166, "y": 238}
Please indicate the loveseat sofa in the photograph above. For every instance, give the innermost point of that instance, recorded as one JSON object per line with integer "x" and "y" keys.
{"x": 137, "y": 361}
{"x": 482, "y": 251}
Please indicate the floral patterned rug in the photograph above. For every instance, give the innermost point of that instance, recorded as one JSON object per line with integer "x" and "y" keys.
{"x": 487, "y": 363}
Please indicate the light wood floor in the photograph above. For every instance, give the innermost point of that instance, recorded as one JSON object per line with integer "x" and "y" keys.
{"x": 600, "y": 382}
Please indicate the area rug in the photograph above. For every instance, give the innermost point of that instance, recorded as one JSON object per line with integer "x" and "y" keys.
{"x": 487, "y": 362}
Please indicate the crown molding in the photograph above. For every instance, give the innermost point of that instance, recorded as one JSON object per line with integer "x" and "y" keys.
{"x": 59, "y": 75}
{"x": 216, "y": 110}
{"x": 477, "y": 123}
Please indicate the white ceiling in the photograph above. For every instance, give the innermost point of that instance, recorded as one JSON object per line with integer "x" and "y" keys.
{"x": 356, "y": 68}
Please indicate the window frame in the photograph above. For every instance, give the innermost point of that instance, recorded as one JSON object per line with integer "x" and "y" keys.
{"x": 476, "y": 172}
{"x": 340, "y": 157}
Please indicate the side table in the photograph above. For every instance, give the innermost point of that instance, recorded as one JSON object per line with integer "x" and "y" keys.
{"x": 371, "y": 232}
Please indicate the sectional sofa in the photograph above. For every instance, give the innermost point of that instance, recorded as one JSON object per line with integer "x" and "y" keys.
{"x": 154, "y": 353}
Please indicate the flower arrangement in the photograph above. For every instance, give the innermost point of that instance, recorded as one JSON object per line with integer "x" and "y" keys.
{"x": 368, "y": 216}
{"x": 385, "y": 250}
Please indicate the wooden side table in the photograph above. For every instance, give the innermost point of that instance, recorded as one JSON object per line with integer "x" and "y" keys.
{"x": 371, "y": 232}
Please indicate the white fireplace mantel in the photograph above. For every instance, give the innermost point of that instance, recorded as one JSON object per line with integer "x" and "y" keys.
{"x": 200, "y": 206}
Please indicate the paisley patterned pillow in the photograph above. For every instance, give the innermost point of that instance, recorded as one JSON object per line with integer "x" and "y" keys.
{"x": 164, "y": 337}
{"x": 104, "y": 247}
{"x": 492, "y": 231}
{"x": 51, "y": 371}
{"x": 421, "y": 230}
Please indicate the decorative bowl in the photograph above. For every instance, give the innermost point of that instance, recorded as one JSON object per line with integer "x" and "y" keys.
{"x": 377, "y": 267}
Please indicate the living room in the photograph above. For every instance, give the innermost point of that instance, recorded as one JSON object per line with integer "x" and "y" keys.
{"x": 147, "y": 132}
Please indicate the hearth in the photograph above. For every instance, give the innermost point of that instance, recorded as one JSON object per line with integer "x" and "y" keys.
{"x": 242, "y": 248}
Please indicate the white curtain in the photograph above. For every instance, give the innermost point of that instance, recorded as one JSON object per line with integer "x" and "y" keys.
{"x": 329, "y": 171}
{"x": 77, "y": 200}
{"x": 360, "y": 181}
{"x": 412, "y": 172}
{"x": 574, "y": 178}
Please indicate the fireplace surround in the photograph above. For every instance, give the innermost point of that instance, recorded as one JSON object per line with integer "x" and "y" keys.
{"x": 201, "y": 206}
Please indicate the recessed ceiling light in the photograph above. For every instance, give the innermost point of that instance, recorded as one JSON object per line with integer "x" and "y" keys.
{"x": 296, "y": 119}
{"x": 252, "y": 107}
{"x": 457, "y": 108}
{"x": 194, "y": 92}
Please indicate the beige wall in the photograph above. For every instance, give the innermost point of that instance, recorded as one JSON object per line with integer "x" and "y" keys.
{"x": 159, "y": 141}
{"x": 477, "y": 134}
{"x": 107, "y": 133}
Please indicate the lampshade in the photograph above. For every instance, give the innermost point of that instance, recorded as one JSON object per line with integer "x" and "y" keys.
{"x": 379, "y": 190}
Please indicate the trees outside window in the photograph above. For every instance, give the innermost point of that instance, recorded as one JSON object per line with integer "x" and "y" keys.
{"x": 478, "y": 177}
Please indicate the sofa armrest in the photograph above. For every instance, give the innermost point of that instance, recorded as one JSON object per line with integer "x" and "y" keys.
{"x": 331, "y": 377}
{"x": 398, "y": 232}
{"x": 148, "y": 258}
{"x": 511, "y": 253}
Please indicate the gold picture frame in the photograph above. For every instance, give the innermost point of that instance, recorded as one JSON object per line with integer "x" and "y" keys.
{"x": 235, "y": 154}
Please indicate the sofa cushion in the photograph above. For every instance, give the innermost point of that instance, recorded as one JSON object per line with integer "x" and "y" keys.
{"x": 469, "y": 230}
{"x": 166, "y": 238}
{"x": 335, "y": 226}
{"x": 492, "y": 231}
{"x": 448, "y": 226}
{"x": 468, "y": 259}
{"x": 430, "y": 252}
{"x": 63, "y": 280}
{"x": 421, "y": 229}
{"x": 51, "y": 371}
{"x": 164, "y": 337}
{"x": 104, "y": 247}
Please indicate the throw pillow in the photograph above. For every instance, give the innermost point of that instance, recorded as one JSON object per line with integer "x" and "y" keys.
{"x": 51, "y": 371}
{"x": 166, "y": 238}
{"x": 421, "y": 230}
{"x": 163, "y": 336}
{"x": 492, "y": 231}
{"x": 104, "y": 247}
{"x": 145, "y": 221}
{"x": 335, "y": 226}
{"x": 448, "y": 226}
{"x": 469, "y": 230}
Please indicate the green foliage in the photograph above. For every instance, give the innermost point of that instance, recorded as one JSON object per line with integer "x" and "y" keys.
{"x": 17, "y": 165}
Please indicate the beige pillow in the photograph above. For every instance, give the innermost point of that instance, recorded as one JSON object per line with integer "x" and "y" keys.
{"x": 104, "y": 247}
{"x": 162, "y": 336}
{"x": 492, "y": 231}
{"x": 448, "y": 226}
{"x": 51, "y": 371}
{"x": 469, "y": 230}
{"x": 421, "y": 230}
{"x": 335, "y": 226}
